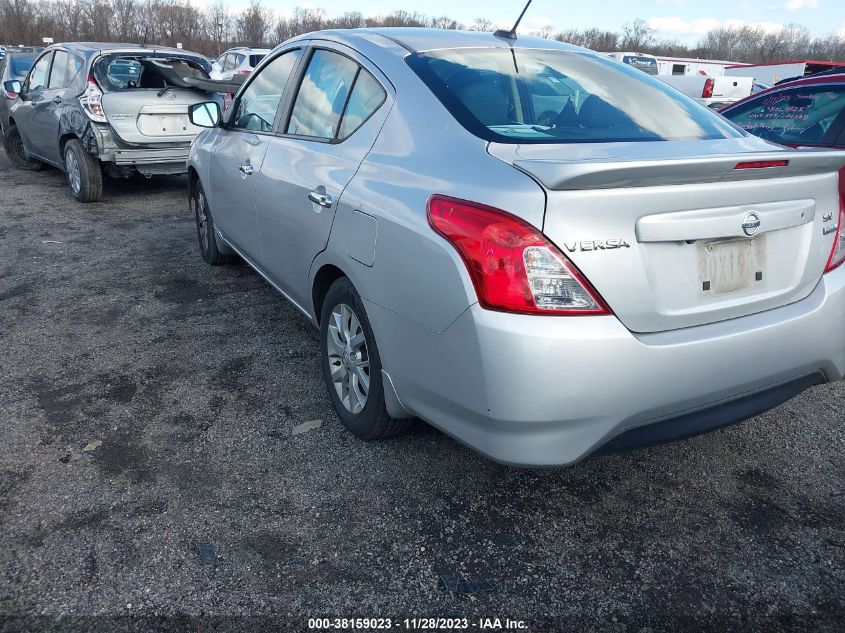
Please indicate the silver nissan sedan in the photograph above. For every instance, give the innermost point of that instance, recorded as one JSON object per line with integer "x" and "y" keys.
{"x": 541, "y": 251}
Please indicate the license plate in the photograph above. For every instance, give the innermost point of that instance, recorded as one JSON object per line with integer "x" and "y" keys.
{"x": 731, "y": 266}
{"x": 163, "y": 124}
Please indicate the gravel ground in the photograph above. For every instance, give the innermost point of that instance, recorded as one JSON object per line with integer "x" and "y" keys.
{"x": 202, "y": 507}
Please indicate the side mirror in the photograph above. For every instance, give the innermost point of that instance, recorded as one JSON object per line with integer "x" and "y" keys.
{"x": 13, "y": 86}
{"x": 205, "y": 114}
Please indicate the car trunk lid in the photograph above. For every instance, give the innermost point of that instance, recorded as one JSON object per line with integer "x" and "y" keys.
{"x": 679, "y": 234}
{"x": 147, "y": 116}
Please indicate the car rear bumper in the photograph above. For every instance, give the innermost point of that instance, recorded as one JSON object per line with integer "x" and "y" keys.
{"x": 547, "y": 391}
{"x": 151, "y": 160}
{"x": 177, "y": 157}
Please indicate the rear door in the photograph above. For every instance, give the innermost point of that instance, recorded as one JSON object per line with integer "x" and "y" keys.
{"x": 61, "y": 87}
{"x": 239, "y": 152}
{"x": 336, "y": 115}
{"x": 30, "y": 108}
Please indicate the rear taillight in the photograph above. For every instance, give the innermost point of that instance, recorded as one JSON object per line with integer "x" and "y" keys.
{"x": 9, "y": 95}
{"x": 244, "y": 72}
{"x": 837, "y": 253}
{"x": 513, "y": 267}
{"x": 707, "y": 93}
{"x": 92, "y": 102}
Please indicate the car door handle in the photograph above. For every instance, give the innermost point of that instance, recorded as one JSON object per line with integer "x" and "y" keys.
{"x": 247, "y": 169}
{"x": 323, "y": 199}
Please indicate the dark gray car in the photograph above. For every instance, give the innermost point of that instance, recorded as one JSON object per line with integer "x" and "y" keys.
{"x": 118, "y": 109}
{"x": 13, "y": 65}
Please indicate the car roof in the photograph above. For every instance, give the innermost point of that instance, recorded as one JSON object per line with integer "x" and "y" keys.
{"x": 90, "y": 48}
{"x": 19, "y": 55}
{"x": 248, "y": 49}
{"x": 416, "y": 40}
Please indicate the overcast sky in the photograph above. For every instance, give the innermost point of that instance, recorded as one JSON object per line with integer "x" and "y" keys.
{"x": 686, "y": 20}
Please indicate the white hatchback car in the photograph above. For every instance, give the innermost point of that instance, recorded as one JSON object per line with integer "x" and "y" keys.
{"x": 237, "y": 61}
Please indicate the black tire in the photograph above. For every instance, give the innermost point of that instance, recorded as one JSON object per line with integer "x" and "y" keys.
{"x": 213, "y": 250}
{"x": 85, "y": 178}
{"x": 371, "y": 422}
{"x": 13, "y": 144}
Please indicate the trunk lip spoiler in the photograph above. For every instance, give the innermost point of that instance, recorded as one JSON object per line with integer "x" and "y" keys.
{"x": 567, "y": 175}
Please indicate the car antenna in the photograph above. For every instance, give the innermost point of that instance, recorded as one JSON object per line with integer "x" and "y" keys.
{"x": 511, "y": 35}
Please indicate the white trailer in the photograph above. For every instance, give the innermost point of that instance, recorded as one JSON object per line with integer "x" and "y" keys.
{"x": 775, "y": 72}
{"x": 692, "y": 66}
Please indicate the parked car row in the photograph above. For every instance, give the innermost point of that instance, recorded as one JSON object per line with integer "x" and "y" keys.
{"x": 540, "y": 250}
{"x": 117, "y": 109}
{"x": 237, "y": 61}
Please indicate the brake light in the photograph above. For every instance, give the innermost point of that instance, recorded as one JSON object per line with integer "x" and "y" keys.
{"x": 707, "y": 93}
{"x": 513, "y": 267}
{"x": 92, "y": 101}
{"x": 837, "y": 253}
{"x": 244, "y": 72}
{"x": 10, "y": 95}
{"x": 761, "y": 164}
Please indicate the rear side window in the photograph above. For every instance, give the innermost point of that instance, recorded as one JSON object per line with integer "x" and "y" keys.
{"x": 260, "y": 100}
{"x": 556, "y": 96}
{"x": 65, "y": 69}
{"x": 367, "y": 96}
{"x": 798, "y": 116}
{"x": 38, "y": 75}
{"x": 322, "y": 95}
{"x": 254, "y": 59}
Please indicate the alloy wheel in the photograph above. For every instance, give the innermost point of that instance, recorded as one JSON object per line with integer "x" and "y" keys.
{"x": 202, "y": 219}
{"x": 74, "y": 174}
{"x": 349, "y": 360}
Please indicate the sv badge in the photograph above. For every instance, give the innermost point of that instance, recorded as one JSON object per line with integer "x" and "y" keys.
{"x": 596, "y": 245}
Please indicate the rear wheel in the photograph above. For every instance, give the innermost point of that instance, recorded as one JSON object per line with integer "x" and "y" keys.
{"x": 352, "y": 366}
{"x": 84, "y": 175}
{"x": 13, "y": 145}
{"x": 212, "y": 249}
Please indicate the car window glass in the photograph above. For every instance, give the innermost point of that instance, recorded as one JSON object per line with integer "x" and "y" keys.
{"x": 260, "y": 100}
{"x": 18, "y": 67}
{"x": 801, "y": 116}
{"x": 557, "y": 96}
{"x": 65, "y": 69}
{"x": 38, "y": 75}
{"x": 322, "y": 95}
{"x": 367, "y": 95}
{"x": 254, "y": 59}
{"x": 239, "y": 59}
{"x": 122, "y": 74}
{"x": 230, "y": 62}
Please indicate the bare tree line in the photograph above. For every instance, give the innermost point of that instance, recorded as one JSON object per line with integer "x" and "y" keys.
{"x": 213, "y": 29}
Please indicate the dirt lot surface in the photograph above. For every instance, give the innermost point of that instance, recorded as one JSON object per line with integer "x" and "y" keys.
{"x": 197, "y": 506}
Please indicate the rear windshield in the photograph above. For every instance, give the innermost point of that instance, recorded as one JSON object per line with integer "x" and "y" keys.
{"x": 646, "y": 64}
{"x": 803, "y": 116}
{"x": 19, "y": 67}
{"x": 117, "y": 73}
{"x": 550, "y": 96}
{"x": 254, "y": 59}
